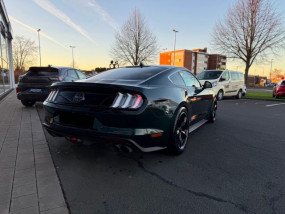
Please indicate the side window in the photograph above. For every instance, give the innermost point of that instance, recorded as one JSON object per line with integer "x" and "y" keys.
{"x": 62, "y": 72}
{"x": 176, "y": 79}
{"x": 241, "y": 76}
{"x": 234, "y": 76}
{"x": 189, "y": 79}
{"x": 226, "y": 76}
{"x": 71, "y": 73}
{"x": 81, "y": 75}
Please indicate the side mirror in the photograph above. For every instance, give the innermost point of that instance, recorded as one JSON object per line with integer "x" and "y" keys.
{"x": 222, "y": 79}
{"x": 207, "y": 84}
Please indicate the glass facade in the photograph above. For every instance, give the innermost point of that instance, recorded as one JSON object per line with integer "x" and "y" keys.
{"x": 5, "y": 40}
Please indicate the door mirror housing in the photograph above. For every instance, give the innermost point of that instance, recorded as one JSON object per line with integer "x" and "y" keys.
{"x": 222, "y": 79}
{"x": 207, "y": 84}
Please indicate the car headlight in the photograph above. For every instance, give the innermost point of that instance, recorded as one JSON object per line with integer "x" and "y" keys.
{"x": 214, "y": 84}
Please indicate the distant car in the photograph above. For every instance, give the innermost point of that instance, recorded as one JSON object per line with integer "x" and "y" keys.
{"x": 279, "y": 89}
{"x": 35, "y": 84}
{"x": 148, "y": 107}
{"x": 225, "y": 83}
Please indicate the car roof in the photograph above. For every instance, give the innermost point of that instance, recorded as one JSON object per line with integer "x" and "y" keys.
{"x": 57, "y": 67}
{"x": 131, "y": 75}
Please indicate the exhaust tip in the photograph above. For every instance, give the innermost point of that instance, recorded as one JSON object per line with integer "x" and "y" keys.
{"x": 123, "y": 148}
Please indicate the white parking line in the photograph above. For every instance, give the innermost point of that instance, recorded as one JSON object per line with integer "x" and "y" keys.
{"x": 278, "y": 104}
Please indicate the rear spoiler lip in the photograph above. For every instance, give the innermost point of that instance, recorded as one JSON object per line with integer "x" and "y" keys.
{"x": 90, "y": 86}
{"x": 47, "y": 69}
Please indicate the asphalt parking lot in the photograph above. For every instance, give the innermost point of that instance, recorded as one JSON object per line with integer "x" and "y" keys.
{"x": 236, "y": 165}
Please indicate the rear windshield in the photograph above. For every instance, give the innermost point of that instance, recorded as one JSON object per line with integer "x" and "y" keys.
{"x": 129, "y": 74}
{"x": 209, "y": 75}
{"x": 42, "y": 71}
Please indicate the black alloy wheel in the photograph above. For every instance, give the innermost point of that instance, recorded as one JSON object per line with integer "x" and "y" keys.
{"x": 180, "y": 133}
{"x": 213, "y": 113}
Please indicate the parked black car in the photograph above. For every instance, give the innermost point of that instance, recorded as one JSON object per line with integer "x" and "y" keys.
{"x": 150, "y": 107}
{"x": 35, "y": 84}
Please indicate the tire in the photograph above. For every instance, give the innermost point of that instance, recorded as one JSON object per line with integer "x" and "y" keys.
{"x": 28, "y": 103}
{"x": 239, "y": 94}
{"x": 179, "y": 133}
{"x": 213, "y": 113}
{"x": 220, "y": 94}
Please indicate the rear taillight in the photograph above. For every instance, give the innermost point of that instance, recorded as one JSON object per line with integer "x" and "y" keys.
{"x": 52, "y": 95}
{"x": 17, "y": 90}
{"x": 127, "y": 101}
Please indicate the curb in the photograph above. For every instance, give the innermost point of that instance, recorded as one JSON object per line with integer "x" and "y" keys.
{"x": 4, "y": 94}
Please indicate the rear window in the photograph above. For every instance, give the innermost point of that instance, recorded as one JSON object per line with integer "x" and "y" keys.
{"x": 134, "y": 73}
{"x": 42, "y": 71}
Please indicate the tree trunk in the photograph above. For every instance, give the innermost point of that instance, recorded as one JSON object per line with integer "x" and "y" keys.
{"x": 246, "y": 74}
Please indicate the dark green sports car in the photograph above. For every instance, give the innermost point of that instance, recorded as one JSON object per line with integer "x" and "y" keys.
{"x": 144, "y": 107}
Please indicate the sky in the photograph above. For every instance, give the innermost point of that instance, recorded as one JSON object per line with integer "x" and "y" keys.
{"x": 90, "y": 26}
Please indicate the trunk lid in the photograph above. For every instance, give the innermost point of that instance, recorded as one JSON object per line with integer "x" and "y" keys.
{"x": 95, "y": 95}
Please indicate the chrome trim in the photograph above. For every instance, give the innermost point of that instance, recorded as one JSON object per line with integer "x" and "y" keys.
{"x": 197, "y": 125}
{"x": 148, "y": 149}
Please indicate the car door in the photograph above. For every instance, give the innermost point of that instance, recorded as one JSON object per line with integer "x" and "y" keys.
{"x": 199, "y": 102}
{"x": 225, "y": 82}
{"x": 71, "y": 75}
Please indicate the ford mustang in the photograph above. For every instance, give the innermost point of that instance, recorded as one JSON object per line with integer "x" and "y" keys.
{"x": 144, "y": 107}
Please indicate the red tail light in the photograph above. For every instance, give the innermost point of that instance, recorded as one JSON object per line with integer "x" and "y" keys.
{"x": 17, "y": 90}
{"x": 127, "y": 101}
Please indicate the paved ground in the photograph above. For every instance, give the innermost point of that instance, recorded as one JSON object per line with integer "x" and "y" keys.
{"x": 28, "y": 180}
{"x": 236, "y": 165}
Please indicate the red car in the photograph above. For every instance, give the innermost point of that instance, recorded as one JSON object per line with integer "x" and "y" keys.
{"x": 279, "y": 89}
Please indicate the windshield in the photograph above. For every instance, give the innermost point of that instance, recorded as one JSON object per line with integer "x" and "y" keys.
{"x": 209, "y": 75}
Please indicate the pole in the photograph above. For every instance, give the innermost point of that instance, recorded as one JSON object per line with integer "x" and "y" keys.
{"x": 72, "y": 55}
{"x": 271, "y": 70}
{"x": 39, "y": 46}
{"x": 175, "y": 31}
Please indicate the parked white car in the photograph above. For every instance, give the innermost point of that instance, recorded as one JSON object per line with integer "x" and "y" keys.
{"x": 225, "y": 83}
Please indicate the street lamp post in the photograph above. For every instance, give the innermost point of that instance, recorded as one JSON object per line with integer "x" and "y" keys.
{"x": 72, "y": 47}
{"x": 271, "y": 70}
{"x": 175, "y": 31}
{"x": 39, "y": 46}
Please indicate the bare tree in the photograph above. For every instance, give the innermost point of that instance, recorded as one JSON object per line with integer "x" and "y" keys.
{"x": 251, "y": 30}
{"x": 24, "y": 52}
{"x": 134, "y": 43}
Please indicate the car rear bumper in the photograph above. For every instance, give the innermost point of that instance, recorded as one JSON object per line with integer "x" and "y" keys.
{"x": 133, "y": 130}
{"x": 32, "y": 96}
{"x": 138, "y": 138}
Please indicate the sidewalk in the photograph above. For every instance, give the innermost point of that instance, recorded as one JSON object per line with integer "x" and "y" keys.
{"x": 28, "y": 180}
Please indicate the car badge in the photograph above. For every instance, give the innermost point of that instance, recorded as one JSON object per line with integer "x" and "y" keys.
{"x": 78, "y": 97}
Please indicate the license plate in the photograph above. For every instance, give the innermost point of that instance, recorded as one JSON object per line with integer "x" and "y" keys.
{"x": 35, "y": 90}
